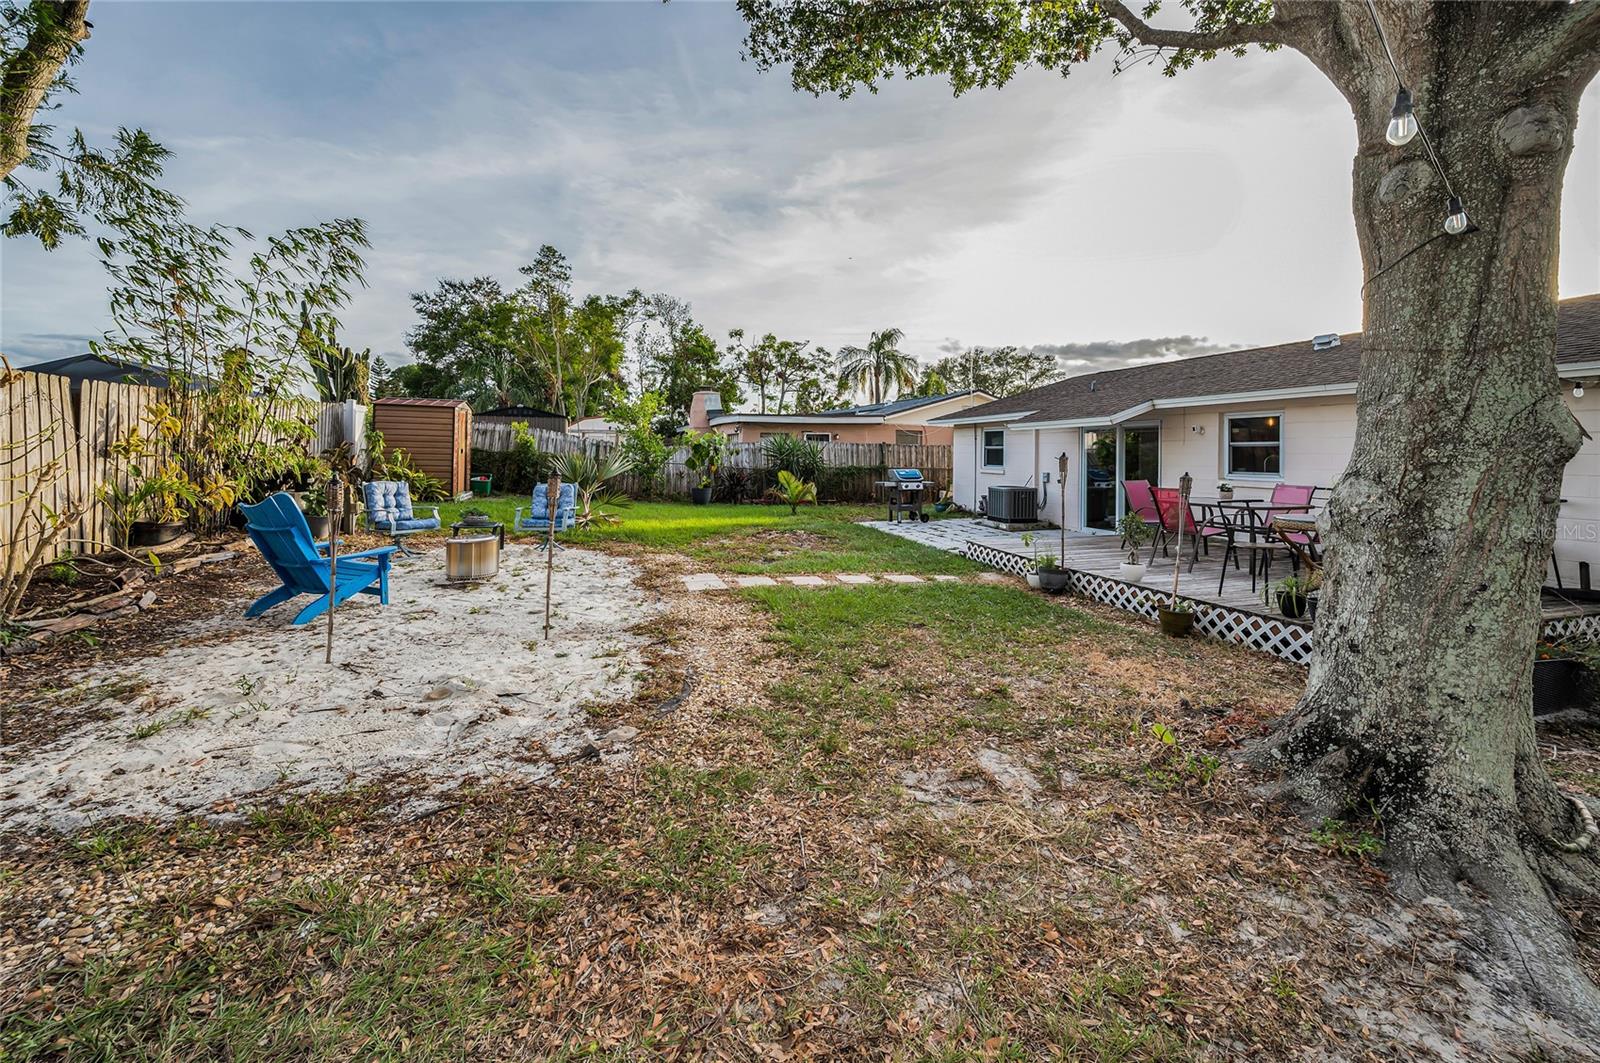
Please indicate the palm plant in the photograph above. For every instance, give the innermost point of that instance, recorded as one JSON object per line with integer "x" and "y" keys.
{"x": 589, "y": 474}
{"x": 877, "y": 365}
{"x": 793, "y": 491}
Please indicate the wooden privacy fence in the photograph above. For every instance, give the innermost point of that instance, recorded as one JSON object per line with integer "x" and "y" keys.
{"x": 48, "y": 436}
{"x": 854, "y": 468}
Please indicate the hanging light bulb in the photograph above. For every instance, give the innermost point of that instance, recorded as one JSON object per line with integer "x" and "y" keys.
{"x": 1456, "y": 221}
{"x": 1402, "y": 123}
{"x": 1577, "y": 390}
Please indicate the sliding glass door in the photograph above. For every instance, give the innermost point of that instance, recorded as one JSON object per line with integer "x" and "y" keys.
{"x": 1110, "y": 456}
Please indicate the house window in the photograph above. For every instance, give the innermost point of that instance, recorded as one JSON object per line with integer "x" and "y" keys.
{"x": 905, "y": 438}
{"x": 819, "y": 437}
{"x": 1255, "y": 444}
{"x": 994, "y": 448}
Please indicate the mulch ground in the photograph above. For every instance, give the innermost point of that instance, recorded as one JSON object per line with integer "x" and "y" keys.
{"x": 798, "y": 858}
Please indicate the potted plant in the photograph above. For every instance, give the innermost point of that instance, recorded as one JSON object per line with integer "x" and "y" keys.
{"x": 706, "y": 451}
{"x": 1563, "y": 677}
{"x": 946, "y": 500}
{"x": 1225, "y": 491}
{"x": 1033, "y": 574}
{"x": 1053, "y": 579}
{"x": 1177, "y": 617}
{"x": 1291, "y": 594}
{"x": 314, "y": 502}
{"x": 1135, "y": 533}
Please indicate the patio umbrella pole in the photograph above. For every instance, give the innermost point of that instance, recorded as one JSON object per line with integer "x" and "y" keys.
{"x": 335, "y": 512}
{"x": 552, "y": 498}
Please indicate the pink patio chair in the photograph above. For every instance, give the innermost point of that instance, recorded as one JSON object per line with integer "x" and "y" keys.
{"x": 1142, "y": 502}
{"x": 1167, "y": 504}
{"x": 1288, "y": 499}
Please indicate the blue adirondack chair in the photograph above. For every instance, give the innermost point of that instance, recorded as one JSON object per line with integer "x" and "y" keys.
{"x": 389, "y": 510}
{"x": 280, "y": 532}
{"x": 539, "y": 519}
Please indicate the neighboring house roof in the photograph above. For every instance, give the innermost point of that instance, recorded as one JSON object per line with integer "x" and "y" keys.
{"x": 521, "y": 411}
{"x": 423, "y": 402}
{"x": 86, "y": 366}
{"x": 1283, "y": 370}
{"x": 871, "y": 413}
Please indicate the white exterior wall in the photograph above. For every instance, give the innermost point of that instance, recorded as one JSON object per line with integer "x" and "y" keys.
{"x": 1318, "y": 436}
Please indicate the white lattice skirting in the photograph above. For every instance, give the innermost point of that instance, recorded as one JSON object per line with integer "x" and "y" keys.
{"x": 1279, "y": 636}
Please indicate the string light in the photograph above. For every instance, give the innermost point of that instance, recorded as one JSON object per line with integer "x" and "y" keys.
{"x": 1404, "y": 125}
{"x": 1402, "y": 121}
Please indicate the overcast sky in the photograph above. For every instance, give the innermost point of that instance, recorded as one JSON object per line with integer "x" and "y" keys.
{"x": 1114, "y": 217}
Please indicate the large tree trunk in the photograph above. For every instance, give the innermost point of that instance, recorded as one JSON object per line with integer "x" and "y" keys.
{"x": 1439, "y": 533}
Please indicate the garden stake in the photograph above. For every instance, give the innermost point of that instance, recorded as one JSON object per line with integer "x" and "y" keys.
{"x": 552, "y": 497}
{"x": 1061, "y": 489}
{"x": 1185, "y": 485}
{"x": 335, "y": 508}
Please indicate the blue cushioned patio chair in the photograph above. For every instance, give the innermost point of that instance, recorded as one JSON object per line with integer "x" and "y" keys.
{"x": 538, "y": 518}
{"x": 280, "y": 532}
{"x": 389, "y": 510}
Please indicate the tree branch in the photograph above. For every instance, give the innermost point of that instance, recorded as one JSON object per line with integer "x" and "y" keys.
{"x": 28, "y": 76}
{"x": 1235, "y": 35}
{"x": 1567, "y": 44}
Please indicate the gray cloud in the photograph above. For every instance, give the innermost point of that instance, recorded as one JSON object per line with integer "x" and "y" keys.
{"x": 1079, "y": 358}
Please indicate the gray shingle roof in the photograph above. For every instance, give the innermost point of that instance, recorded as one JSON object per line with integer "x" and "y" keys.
{"x": 886, "y": 409}
{"x": 1283, "y": 366}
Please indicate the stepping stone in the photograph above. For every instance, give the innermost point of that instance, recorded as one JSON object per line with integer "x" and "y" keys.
{"x": 807, "y": 581}
{"x": 854, "y": 577}
{"x": 903, "y": 578}
{"x": 704, "y": 581}
{"x": 948, "y": 578}
{"x": 755, "y": 581}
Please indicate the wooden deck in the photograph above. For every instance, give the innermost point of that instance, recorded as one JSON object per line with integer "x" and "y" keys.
{"x": 1234, "y": 611}
{"x": 1100, "y": 555}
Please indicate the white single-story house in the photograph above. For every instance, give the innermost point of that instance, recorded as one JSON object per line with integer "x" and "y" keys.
{"x": 1252, "y": 418}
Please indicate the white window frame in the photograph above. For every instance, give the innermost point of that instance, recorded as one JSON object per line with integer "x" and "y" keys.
{"x": 898, "y": 432}
{"x": 1228, "y": 445}
{"x": 983, "y": 448}
{"x": 817, "y": 437}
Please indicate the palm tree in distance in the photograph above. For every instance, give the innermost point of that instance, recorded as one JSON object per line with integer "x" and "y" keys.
{"x": 877, "y": 365}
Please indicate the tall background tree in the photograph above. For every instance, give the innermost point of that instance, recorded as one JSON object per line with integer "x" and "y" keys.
{"x": 999, "y": 371}
{"x": 676, "y": 358}
{"x": 466, "y": 346}
{"x": 879, "y": 367}
{"x": 1418, "y": 700}
{"x": 780, "y": 372}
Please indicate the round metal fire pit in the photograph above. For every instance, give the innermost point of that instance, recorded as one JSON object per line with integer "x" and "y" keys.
{"x": 471, "y": 558}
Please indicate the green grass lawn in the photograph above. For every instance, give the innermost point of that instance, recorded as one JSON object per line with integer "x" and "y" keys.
{"x": 751, "y": 538}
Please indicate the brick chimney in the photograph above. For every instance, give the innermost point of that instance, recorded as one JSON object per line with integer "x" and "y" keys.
{"x": 705, "y": 405}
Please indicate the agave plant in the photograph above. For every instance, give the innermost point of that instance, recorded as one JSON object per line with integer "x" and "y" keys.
{"x": 589, "y": 474}
{"x": 793, "y": 491}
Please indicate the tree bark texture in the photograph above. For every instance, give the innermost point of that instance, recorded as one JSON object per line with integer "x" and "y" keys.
{"x": 1418, "y": 705}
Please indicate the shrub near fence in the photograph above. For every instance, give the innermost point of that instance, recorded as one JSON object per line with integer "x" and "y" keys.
{"x": 851, "y": 474}
{"x": 46, "y": 436}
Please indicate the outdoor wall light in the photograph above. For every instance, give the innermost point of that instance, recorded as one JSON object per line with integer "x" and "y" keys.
{"x": 1577, "y": 390}
{"x": 1456, "y": 221}
{"x": 1402, "y": 122}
